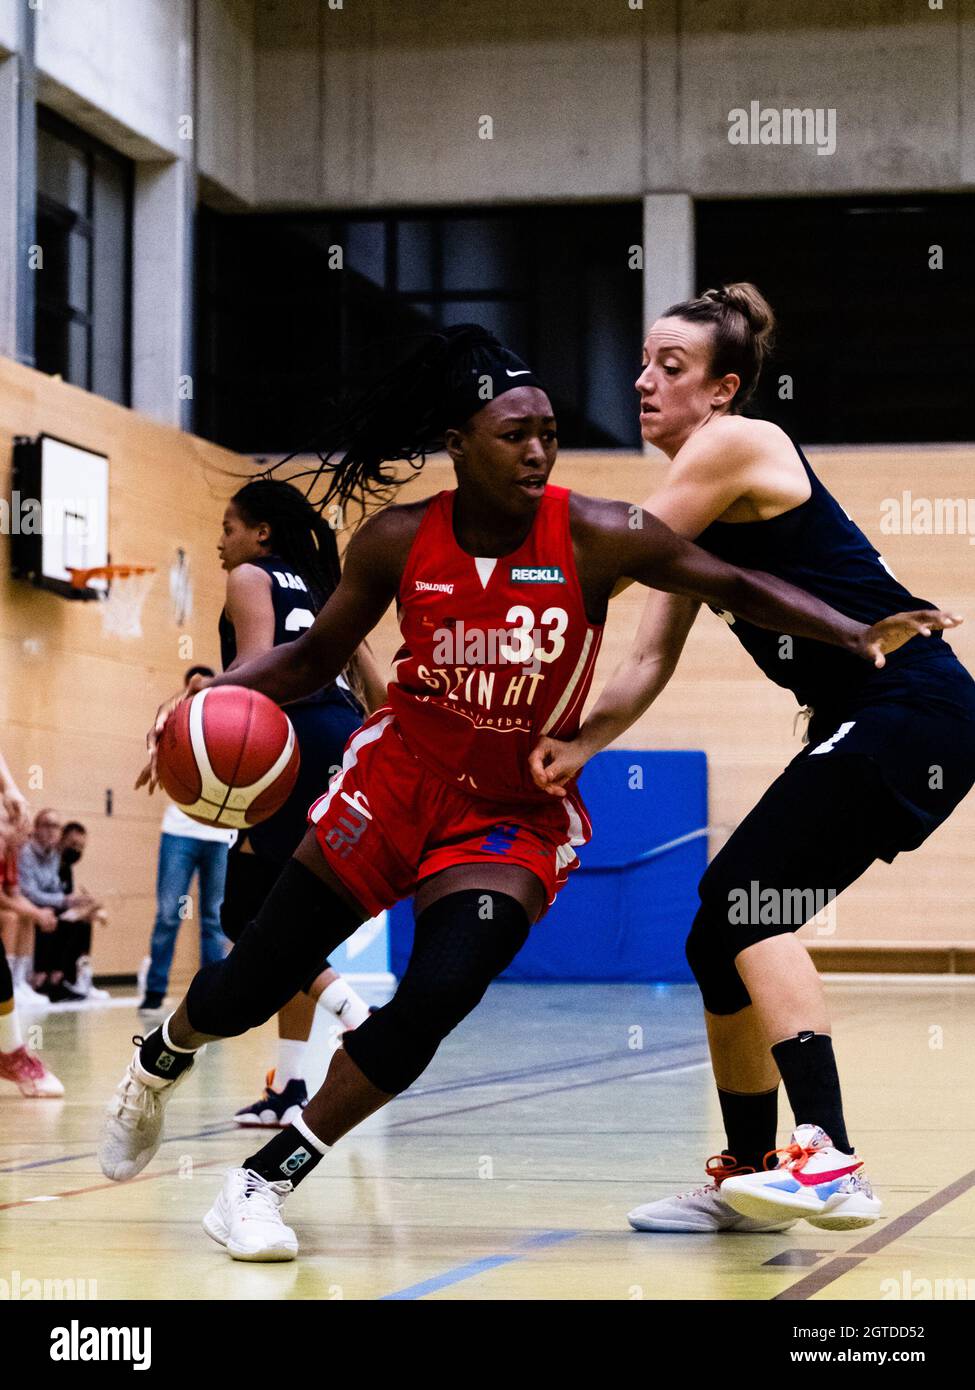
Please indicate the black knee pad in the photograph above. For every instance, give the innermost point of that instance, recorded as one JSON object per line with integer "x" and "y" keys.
{"x": 279, "y": 953}
{"x": 462, "y": 942}
{"x": 250, "y": 879}
{"x": 711, "y": 956}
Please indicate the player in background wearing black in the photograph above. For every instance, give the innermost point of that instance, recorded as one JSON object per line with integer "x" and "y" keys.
{"x": 282, "y": 566}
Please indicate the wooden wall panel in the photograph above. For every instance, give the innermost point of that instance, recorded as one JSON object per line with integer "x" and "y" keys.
{"x": 75, "y": 705}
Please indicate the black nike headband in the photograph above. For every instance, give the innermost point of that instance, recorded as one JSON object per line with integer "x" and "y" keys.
{"x": 493, "y": 370}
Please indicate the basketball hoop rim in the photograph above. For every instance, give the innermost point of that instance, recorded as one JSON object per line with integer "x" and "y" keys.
{"x": 80, "y": 578}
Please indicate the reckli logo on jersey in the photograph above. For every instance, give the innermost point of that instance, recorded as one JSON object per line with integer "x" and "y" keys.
{"x": 536, "y": 574}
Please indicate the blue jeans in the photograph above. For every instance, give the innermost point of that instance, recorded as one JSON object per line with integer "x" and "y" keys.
{"x": 180, "y": 856}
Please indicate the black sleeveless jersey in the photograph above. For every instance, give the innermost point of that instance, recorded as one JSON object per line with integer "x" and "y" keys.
{"x": 294, "y": 611}
{"x": 817, "y": 547}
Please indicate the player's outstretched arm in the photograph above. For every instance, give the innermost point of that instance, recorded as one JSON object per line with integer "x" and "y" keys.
{"x": 635, "y": 684}
{"x": 13, "y": 800}
{"x": 370, "y": 578}
{"x": 653, "y": 555}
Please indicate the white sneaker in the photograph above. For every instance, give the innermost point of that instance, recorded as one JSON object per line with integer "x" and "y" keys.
{"x": 246, "y": 1218}
{"x": 132, "y": 1128}
{"x": 27, "y": 998}
{"x": 702, "y": 1211}
{"x": 814, "y": 1180}
{"x": 85, "y": 984}
{"x": 851, "y": 1206}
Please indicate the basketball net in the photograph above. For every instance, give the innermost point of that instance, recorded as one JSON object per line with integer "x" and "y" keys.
{"x": 123, "y": 597}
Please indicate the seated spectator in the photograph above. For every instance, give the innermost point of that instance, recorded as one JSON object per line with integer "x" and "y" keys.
{"x": 19, "y": 918}
{"x": 39, "y": 867}
{"x": 75, "y": 923}
{"x": 18, "y": 1064}
{"x": 186, "y": 848}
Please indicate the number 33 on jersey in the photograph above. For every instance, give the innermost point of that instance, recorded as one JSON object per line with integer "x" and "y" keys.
{"x": 496, "y": 652}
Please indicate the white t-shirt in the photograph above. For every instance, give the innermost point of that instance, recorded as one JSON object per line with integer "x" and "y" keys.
{"x": 177, "y": 822}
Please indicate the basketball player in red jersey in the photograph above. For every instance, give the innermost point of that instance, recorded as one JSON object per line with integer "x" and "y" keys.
{"x": 502, "y": 586}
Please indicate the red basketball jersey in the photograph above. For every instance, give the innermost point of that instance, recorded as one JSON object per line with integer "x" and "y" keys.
{"x": 496, "y": 652}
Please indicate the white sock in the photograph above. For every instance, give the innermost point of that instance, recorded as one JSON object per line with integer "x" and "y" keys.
{"x": 341, "y": 1000}
{"x": 19, "y": 969}
{"x": 290, "y": 1065}
{"x": 318, "y": 1144}
{"x": 10, "y": 1035}
{"x": 168, "y": 1040}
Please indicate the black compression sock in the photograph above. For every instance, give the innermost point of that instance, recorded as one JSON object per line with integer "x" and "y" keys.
{"x": 289, "y": 1155}
{"x": 159, "y": 1057}
{"x": 749, "y": 1122}
{"x": 812, "y": 1083}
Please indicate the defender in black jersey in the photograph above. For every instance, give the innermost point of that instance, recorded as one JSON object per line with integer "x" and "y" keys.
{"x": 890, "y": 753}
{"x": 283, "y": 564}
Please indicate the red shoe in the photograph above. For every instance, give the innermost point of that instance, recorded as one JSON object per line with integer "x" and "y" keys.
{"x": 26, "y": 1070}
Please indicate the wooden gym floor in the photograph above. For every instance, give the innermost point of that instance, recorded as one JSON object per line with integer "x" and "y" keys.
{"x": 507, "y": 1172}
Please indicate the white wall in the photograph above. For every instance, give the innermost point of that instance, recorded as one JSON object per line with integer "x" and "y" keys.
{"x": 889, "y": 68}
{"x": 8, "y": 207}
{"x": 113, "y": 67}
{"x": 226, "y": 95}
{"x": 379, "y": 102}
{"x": 8, "y": 25}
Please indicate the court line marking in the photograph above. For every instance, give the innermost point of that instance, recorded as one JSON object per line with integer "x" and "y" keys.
{"x": 475, "y": 1267}
{"x": 537, "y": 1069}
{"x": 840, "y": 1264}
{"x": 104, "y": 1186}
{"x": 73, "y": 1158}
{"x": 472, "y": 1083}
{"x": 665, "y": 1069}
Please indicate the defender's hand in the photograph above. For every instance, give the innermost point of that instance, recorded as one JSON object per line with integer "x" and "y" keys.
{"x": 891, "y": 633}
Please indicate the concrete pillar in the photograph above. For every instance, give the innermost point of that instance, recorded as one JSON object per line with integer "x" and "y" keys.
{"x": 18, "y": 177}
{"x": 162, "y": 292}
{"x": 162, "y": 269}
{"x": 8, "y": 207}
{"x": 668, "y": 252}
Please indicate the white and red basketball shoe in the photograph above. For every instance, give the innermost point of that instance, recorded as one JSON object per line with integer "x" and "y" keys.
{"x": 702, "y": 1211}
{"x": 26, "y": 1071}
{"x": 814, "y": 1180}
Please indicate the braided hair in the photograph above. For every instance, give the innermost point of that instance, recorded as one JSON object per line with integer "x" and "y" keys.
{"x": 299, "y": 533}
{"x": 440, "y": 380}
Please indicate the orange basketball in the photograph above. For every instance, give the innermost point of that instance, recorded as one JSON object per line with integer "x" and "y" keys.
{"x": 228, "y": 757}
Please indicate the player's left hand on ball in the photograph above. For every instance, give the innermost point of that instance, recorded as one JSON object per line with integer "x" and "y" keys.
{"x": 149, "y": 774}
{"x": 891, "y": 633}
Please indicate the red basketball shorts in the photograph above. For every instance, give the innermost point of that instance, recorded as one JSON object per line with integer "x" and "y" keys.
{"x": 386, "y": 823}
